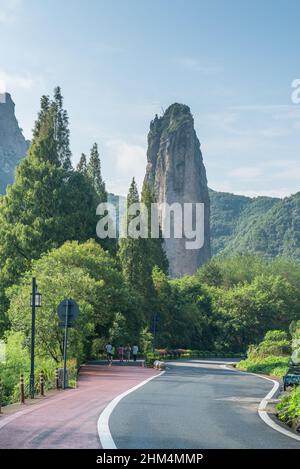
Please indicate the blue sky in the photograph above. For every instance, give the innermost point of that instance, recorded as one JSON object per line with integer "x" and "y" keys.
{"x": 121, "y": 61}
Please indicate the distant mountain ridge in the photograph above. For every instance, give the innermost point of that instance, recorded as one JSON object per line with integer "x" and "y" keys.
{"x": 263, "y": 225}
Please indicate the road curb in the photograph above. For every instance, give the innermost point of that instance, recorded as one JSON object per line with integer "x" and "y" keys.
{"x": 262, "y": 412}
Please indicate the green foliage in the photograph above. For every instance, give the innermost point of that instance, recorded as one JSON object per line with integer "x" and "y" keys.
{"x": 18, "y": 362}
{"x": 48, "y": 203}
{"x": 247, "y": 311}
{"x": 184, "y": 310}
{"x": 263, "y": 225}
{"x": 174, "y": 117}
{"x": 275, "y": 343}
{"x": 227, "y": 272}
{"x": 289, "y": 408}
{"x": 139, "y": 256}
{"x": 51, "y": 135}
{"x": 271, "y": 365}
{"x": 82, "y": 165}
{"x": 153, "y": 247}
{"x": 84, "y": 272}
{"x": 119, "y": 333}
{"x": 276, "y": 336}
{"x": 146, "y": 340}
{"x": 270, "y": 357}
{"x": 93, "y": 171}
{"x": 225, "y": 212}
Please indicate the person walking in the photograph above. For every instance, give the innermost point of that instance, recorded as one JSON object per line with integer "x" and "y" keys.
{"x": 135, "y": 351}
{"x": 121, "y": 353}
{"x": 109, "y": 353}
{"x": 127, "y": 352}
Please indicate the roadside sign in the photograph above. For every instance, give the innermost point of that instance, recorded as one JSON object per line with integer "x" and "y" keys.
{"x": 67, "y": 312}
{"x": 70, "y": 308}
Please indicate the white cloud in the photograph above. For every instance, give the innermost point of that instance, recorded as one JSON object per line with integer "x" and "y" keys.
{"x": 196, "y": 65}
{"x": 10, "y": 81}
{"x": 280, "y": 193}
{"x": 129, "y": 160}
{"x": 246, "y": 173}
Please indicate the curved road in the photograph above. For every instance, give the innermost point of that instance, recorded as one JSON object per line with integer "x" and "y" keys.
{"x": 196, "y": 405}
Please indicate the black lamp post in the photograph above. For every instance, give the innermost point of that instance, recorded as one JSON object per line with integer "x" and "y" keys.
{"x": 154, "y": 329}
{"x": 36, "y": 301}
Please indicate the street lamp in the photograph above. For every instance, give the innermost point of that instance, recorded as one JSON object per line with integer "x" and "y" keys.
{"x": 35, "y": 302}
{"x": 38, "y": 300}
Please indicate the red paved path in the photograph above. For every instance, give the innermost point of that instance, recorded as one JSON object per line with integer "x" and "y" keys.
{"x": 69, "y": 419}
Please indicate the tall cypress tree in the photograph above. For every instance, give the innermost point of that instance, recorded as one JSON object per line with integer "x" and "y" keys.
{"x": 156, "y": 255}
{"x": 82, "y": 165}
{"x": 137, "y": 261}
{"x": 51, "y": 132}
{"x": 61, "y": 129}
{"x": 94, "y": 173}
{"x": 47, "y": 204}
{"x": 130, "y": 249}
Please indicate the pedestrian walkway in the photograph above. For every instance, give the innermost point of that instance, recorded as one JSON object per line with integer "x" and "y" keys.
{"x": 68, "y": 419}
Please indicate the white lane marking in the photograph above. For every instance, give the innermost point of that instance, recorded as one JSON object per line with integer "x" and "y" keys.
{"x": 262, "y": 406}
{"x": 105, "y": 436}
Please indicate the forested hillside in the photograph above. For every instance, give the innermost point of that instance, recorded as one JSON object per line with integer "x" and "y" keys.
{"x": 263, "y": 225}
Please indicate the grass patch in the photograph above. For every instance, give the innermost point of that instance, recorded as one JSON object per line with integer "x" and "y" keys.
{"x": 273, "y": 365}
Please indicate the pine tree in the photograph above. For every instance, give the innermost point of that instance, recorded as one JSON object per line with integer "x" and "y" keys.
{"x": 45, "y": 105}
{"x": 133, "y": 194}
{"x": 94, "y": 174}
{"x": 62, "y": 133}
{"x": 130, "y": 249}
{"x": 53, "y": 124}
{"x": 82, "y": 165}
{"x": 47, "y": 204}
{"x": 137, "y": 260}
{"x": 153, "y": 246}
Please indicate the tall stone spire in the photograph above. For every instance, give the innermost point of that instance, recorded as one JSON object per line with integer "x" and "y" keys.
{"x": 13, "y": 146}
{"x": 176, "y": 173}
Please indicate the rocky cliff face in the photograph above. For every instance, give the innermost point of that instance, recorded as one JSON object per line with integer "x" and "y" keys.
{"x": 176, "y": 172}
{"x": 13, "y": 146}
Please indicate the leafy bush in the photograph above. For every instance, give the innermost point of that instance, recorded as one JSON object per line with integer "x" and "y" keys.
{"x": 272, "y": 365}
{"x": 18, "y": 362}
{"x": 275, "y": 343}
{"x": 289, "y": 408}
{"x": 270, "y": 357}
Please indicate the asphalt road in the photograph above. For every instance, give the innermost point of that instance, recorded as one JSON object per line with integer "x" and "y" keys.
{"x": 196, "y": 405}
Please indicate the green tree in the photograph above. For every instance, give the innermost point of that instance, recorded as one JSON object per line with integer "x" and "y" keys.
{"x": 154, "y": 247}
{"x": 82, "y": 165}
{"x": 61, "y": 130}
{"x": 89, "y": 275}
{"x": 47, "y": 204}
{"x": 130, "y": 250}
{"x": 51, "y": 135}
{"x": 95, "y": 176}
{"x": 134, "y": 256}
{"x": 246, "y": 312}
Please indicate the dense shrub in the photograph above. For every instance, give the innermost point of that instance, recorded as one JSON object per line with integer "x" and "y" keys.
{"x": 272, "y": 365}
{"x": 270, "y": 357}
{"x": 289, "y": 408}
